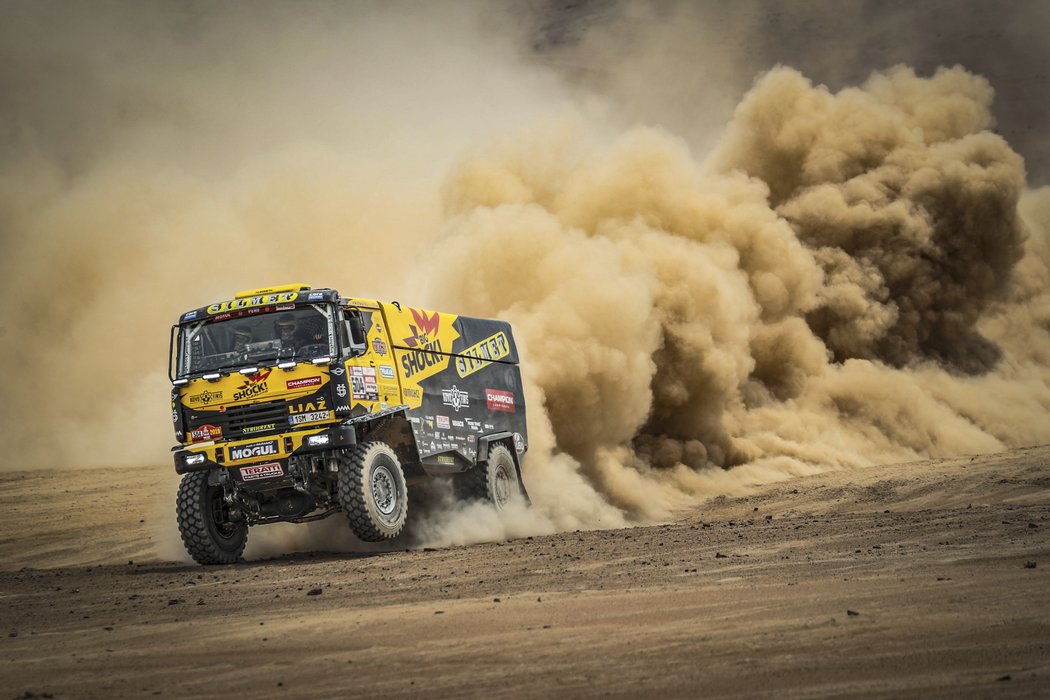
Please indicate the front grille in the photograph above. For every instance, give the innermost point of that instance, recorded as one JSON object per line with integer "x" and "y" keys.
{"x": 243, "y": 421}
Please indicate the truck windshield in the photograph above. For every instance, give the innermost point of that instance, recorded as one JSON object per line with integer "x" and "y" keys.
{"x": 256, "y": 336}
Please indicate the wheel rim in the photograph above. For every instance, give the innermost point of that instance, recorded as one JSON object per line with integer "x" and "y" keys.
{"x": 219, "y": 517}
{"x": 501, "y": 486}
{"x": 384, "y": 490}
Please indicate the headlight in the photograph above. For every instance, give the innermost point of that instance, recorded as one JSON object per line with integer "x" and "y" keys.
{"x": 192, "y": 460}
{"x": 317, "y": 440}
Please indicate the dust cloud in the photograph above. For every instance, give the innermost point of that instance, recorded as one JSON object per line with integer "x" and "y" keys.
{"x": 849, "y": 278}
{"x": 769, "y": 282}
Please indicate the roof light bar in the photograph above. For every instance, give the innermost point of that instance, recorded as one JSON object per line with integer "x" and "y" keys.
{"x": 296, "y": 287}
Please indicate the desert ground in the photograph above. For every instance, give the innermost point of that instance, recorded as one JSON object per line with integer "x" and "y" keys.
{"x": 927, "y": 579}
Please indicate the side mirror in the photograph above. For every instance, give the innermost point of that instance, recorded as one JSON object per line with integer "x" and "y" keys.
{"x": 354, "y": 335}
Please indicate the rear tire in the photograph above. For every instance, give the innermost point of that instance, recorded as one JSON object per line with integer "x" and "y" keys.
{"x": 495, "y": 480}
{"x": 373, "y": 492}
{"x": 207, "y": 532}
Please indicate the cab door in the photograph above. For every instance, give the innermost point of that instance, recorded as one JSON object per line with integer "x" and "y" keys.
{"x": 371, "y": 377}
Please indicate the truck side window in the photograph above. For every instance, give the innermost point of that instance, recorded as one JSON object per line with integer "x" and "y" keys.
{"x": 357, "y": 331}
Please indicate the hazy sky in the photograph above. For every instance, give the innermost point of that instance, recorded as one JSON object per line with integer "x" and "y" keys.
{"x": 723, "y": 46}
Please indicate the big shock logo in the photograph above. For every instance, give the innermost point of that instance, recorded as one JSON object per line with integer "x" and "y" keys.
{"x": 424, "y": 330}
{"x": 252, "y": 386}
{"x": 426, "y": 350}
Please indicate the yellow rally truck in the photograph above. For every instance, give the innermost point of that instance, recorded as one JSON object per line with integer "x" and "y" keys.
{"x": 292, "y": 403}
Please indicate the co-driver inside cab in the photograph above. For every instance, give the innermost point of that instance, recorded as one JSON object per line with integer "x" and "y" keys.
{"x": 287, "y": 330}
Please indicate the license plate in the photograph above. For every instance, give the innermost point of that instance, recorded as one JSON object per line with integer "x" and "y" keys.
{"x": 300, "y": 418}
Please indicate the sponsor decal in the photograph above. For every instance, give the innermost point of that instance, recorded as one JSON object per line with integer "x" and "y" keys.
{"x": 206, "y": 397}
{"x": 443, "y": 422}
{"x": 342, "y": 409}
{"x": 363, "y": 381}
{"x": 425, "y": 347}
{"x": 411, "y": 393}
{"x": 258, "y": 428}
{"x": 320, "y": 404}
{"x": 424, "y": 330}
{"x": 519, "y": 443}
{"x": 457, "y": 424}
{"x": 312, "y": 417}
{"x": 386, "y": 371}
{"x": 261, "y": 471}
{"x": 315, "y": 296}
{"x": 495, "y": 347}
{"x": 303, "y": 383}
{"x": 337, "y": 371}
{"x": 379, "y": 346}
{"x": 470, "y": 439}
{"x": 474, "y": 425}
{"x": 248, "y": 302}
{"x": 446, "y": 459}
{"x": 254, "y": 449}
{"x": 430, "y": 422}
{"x": 189, "y": 316}
{"x": 498, "y": 400}
{"x": 455, "y": 398}
{"x": 418, "y": 360}
{"x": 174, "y": 416}
{"x": 489, "y": 426}
{"x": 340, "y": 391}
{"x": 379, "y": 328}
{"x": 205, "y": 433}
{"x": 252, "y": 386}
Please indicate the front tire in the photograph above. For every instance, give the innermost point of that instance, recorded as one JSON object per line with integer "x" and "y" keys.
{"x": 208, "y": 533}
{"x": 373, "y": 492}
{"x": 495, "y": 480}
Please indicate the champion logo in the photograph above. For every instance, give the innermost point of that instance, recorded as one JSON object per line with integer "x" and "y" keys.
{"x": 499, "y": 400}
{"x": 303, "y": 382}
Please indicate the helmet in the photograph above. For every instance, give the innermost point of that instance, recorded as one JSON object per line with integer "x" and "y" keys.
{"x": 286, "y": 325}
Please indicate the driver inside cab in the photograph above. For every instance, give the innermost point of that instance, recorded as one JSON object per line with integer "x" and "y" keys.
{"x": 286, "y": 328}
{"x": 242, "y": 335}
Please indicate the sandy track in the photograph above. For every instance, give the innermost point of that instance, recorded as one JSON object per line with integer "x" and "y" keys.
{"x": 747, "y": 597}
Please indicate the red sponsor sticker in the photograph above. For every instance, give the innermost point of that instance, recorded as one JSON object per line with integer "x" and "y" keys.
{"x": 205, "y": 433}
{"x": 304, "y": 382}
{"x": 262, "y": 471}
{"x": 498, "y": 400}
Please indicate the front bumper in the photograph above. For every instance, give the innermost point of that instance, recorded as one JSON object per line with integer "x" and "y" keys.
{"x": 243, "y": 453}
